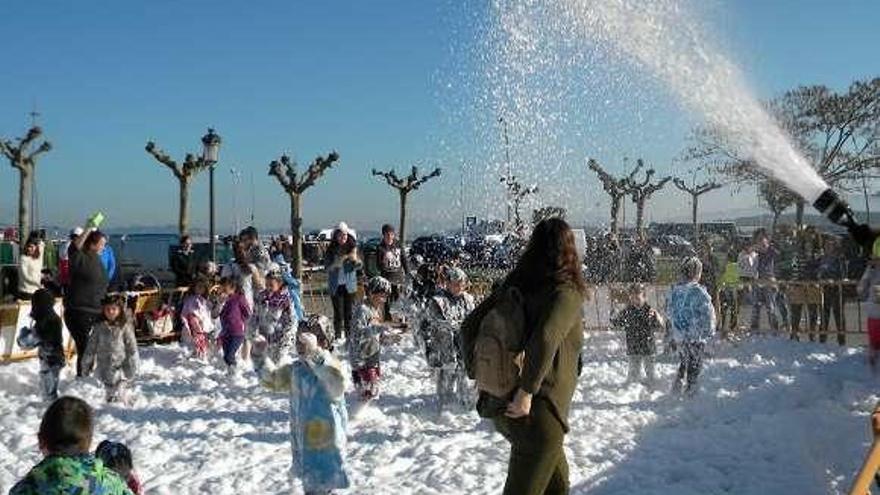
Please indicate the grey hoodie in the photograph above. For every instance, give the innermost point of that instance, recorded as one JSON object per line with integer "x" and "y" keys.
{"x": 114, "y": 348}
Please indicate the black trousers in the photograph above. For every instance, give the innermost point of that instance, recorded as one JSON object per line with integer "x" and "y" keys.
{"x": 343, "y": 305}
{"x": 832, "y": 307}
{"x": 79, "y": 324}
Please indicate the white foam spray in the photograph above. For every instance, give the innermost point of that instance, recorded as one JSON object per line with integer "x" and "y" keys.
{"x": 663, "y": 37}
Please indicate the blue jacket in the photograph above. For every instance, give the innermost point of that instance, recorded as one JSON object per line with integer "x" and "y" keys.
{"x": 690, "y": 312}
{"x": 108, "y": 259}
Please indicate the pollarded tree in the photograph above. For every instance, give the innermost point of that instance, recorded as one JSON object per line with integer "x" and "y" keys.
{"x": 24, "y": 159}
{"x": 641, "y": 192}
{"x": 777, "y": 198}
{"x": 695, "y": 191}
{"x": 184, "y": 174}
{"x": 294, "y": 184}
{"x": 405, "y": 186}
{"x": 616, "y": 187}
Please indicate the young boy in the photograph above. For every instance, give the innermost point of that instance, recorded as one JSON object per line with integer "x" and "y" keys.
{"x": 117, "y": 457}
{"x": 364, "y": 343}
{"x": 639, "y": 321}
{"x": 445, "y": 312}
{"x": 65, "y": 438}
{"x": 46, "y": 337}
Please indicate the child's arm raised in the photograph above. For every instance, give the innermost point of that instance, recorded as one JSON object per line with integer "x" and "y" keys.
{"x": 276, "y": 379}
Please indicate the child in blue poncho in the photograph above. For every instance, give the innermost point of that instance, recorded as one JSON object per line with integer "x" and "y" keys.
{"x": 318, "y": 418}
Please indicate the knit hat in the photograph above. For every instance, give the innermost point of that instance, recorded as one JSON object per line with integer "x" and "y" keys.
{"x": 455, "y": 274}
{"x": 343, "y": 227}
{"x": 378, "y": 285}
{"x": 76, "y": 231}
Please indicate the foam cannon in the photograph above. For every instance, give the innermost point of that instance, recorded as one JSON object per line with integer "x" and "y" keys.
{"x": 839, "y": 212}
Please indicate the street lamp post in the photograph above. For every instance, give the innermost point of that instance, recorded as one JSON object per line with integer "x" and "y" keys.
{"x": 210, "y": 155}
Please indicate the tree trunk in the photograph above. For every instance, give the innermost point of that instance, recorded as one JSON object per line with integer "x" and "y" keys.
{"x": 799, "y": 215}
{"x": 695, "y": 200}
{"x": 24, "y": 206}
{"x": 776, "y": 215}
{"x": 183, "y": 210}
{"x": 615, "y": 213}
{"x": 296, "y": 233}
{"x": 402, "y": 229}
{"x": 640, "y": 218}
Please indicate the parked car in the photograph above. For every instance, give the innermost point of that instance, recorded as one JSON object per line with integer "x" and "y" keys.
{"x": 673, "y": 245}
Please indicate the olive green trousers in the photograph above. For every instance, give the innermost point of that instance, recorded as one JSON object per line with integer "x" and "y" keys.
{"x": 537, "y": 463}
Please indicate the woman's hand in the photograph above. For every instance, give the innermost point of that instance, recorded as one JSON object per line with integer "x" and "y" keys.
{"x": 520, "y": 406}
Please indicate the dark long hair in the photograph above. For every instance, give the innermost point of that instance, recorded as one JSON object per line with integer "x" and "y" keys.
{"x": 550, "y": 257}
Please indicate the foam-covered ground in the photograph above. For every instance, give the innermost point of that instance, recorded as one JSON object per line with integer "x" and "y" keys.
{"x": 772, "y": 417}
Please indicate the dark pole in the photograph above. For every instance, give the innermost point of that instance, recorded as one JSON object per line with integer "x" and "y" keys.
{"x": 507, "y": 160}
{"x": 211, "y": 220}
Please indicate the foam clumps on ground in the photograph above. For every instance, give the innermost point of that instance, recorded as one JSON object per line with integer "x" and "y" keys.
{"x": 772, "y": 416}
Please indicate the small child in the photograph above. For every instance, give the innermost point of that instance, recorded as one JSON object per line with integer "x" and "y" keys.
{"x": 869, "y": 291}
{"x": 233, "y": 321}
{"x": 639, "y": 320}
{"x": 445, "y": 312}
{"x": 45, "y": 335}
{"x": 113, "y": 347}
{"x": 274, "y": 318}
{"x": 117, "y": 457}
{"x": 65, "y": 438}
{"x": 198, "y": 324}
{"x": 318, "y": 418}
{"x": 364, "y": 343}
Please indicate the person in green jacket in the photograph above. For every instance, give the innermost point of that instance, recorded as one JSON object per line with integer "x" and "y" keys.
{"x": 535, "y": 418}
{"x": 729, "y": 293}
{"x": 65, "y": 438}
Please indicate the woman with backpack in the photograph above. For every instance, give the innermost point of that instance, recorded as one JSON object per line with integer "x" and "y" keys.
{"x": 547, "y": 288}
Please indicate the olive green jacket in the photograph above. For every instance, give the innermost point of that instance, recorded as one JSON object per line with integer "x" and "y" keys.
{"x": 554, "y": 322}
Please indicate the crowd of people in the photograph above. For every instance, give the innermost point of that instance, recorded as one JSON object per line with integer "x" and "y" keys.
{"x": 514, "y": 355}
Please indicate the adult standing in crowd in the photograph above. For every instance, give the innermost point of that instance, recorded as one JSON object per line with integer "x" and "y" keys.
{"x": 641, "y": 266}
{"x": 108, "y": 259}
{"x": 30, "y": 268}
{"x": 64, "y": 258}
{"x": 255, "y": 252}
{"x": 692, "y": 315}
{"x": 183, "y": 263}
{"x": 831, "y": 271}
{"x": 392, "y": 265}
{"x": 342, "y": 263}
{"x": 764, "y": 293}
{"x": 535, "y": 421}
{"x": 88, "y": 285}
{"x": 803, "y": 272}
{"x": 248, "y": 277}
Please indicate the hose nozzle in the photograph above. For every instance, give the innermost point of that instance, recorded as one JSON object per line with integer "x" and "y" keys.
{"x": 835, "y": 209}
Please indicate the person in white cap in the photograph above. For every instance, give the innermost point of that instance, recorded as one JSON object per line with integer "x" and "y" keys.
{"x": 342, "y": 264}
{"x": 318, "y": 417}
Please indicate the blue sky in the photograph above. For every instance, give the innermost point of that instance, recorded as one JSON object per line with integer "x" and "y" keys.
{"x": 369, "y": 79}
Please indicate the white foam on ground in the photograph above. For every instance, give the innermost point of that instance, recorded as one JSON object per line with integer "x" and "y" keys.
{"x": 772, "y": 417}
